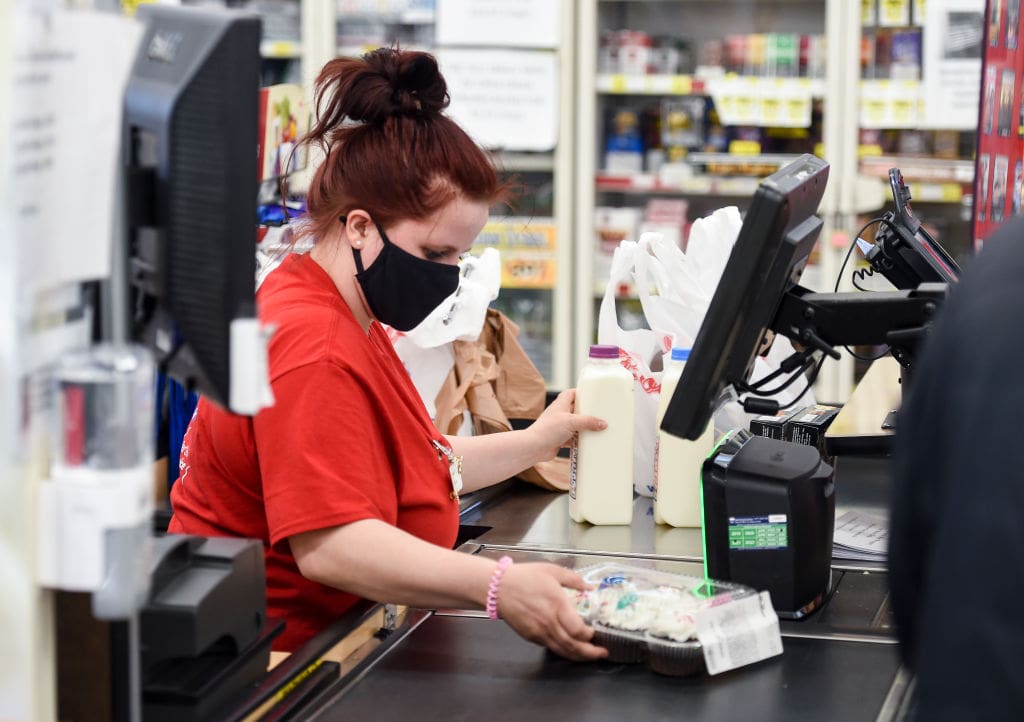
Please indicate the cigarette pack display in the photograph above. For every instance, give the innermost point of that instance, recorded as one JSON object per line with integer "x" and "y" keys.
{"x": 771, "y": 426}
{"x": 808, "y": 426}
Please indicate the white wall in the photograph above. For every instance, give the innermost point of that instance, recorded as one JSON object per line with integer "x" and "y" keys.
{"x": 26, "y": 664}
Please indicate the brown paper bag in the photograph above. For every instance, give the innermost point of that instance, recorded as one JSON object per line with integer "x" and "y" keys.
{"x": 495, "y": 381}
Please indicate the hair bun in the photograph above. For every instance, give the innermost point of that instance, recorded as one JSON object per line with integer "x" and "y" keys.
{"x": 386, "y": 83}
{"x": 420, "y": 79}
{"x": 414, "y": 80}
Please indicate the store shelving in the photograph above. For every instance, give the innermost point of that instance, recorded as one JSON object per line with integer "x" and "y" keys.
{"x": 746, "y": 104}
{"x": 903, "y": 124}
{"x": 934, "y": 170}
{"x": 645, "y": 184}
{"x": 676, "y": 84}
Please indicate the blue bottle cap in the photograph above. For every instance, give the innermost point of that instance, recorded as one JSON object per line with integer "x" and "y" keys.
{"x": 680, "y": 354}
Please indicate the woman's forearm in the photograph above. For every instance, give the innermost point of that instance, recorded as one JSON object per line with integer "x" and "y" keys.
{"x": 491, "y": 458}
{"x": 360, "y": 558}
{"x": 495, "y": 457}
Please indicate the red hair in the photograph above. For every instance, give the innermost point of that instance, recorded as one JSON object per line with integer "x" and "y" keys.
{"x": 389, "y": 149}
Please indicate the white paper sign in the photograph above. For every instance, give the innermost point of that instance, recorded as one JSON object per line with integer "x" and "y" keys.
{"x": 505, "y": 99}
{"x": 953, "y": 35}
{"x": 70, "y": 70}
{"x": 503, "y": 23}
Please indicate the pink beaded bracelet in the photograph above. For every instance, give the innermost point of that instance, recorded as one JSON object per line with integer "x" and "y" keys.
{"x": 492, "y": 591}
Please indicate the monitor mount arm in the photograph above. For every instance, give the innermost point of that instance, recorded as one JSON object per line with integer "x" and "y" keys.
{"x": 823, "y": 321}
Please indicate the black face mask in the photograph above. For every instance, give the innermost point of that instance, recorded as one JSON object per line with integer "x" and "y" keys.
{"x": 402, "y": 289}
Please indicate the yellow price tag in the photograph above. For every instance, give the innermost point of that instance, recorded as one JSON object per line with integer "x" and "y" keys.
{"x": 744, "y": 147}
{"x": 681, "y": 84}
{"x": 745, "y": 110}
{"x": 279, "y": 49}
{"x": 867, "y": 12}
{"x": 798, "y": 111}
{"x": 894, "y": 12}
{"x": 903, "y": 111}
{"x": 874, "y": 110}
{"x": 618, "y": 84}
{"x": 130, "y": 6}
{"x": 951, "y": 192}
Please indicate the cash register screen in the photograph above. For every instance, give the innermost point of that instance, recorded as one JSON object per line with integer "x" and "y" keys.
{"x": 778, "y": 233}
{"x": 190, "y": 115}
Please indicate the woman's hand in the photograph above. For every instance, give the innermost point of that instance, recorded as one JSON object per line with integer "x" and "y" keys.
{"x": 531, "y": 601}
{"x": 555, "y": 428}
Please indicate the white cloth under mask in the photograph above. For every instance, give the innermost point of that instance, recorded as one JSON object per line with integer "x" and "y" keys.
{"x": 460, "y": 317}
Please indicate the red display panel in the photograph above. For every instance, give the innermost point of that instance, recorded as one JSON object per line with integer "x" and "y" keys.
{"x": 999, "y": 170}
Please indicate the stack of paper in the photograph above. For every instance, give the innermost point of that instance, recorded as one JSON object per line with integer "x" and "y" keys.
{"x": 860, "y": 536}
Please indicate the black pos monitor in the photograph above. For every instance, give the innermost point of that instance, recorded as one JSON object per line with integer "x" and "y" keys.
{"x": 774, "y": 243}
{"x": 190, "y": 144}
{"x": 190, "y": 118}
{"x": 903, "y": 251}
{"x": 769, "y": 505}
{"x": 759, "y": 295}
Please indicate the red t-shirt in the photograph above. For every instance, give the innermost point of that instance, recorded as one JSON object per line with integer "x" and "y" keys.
{"x": 347, "y": 438}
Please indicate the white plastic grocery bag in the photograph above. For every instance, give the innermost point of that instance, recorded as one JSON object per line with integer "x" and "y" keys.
{"x": 675, "y": 290}
{"x": 679, "y": 289}
{"x": 637, "y": 350}
{"x": 427, "y": 349}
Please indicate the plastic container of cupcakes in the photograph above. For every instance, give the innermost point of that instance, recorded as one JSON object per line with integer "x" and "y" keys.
{"x": 648, "y": 616}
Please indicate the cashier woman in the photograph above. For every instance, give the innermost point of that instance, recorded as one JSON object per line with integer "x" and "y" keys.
{"x": 345, "y": 479}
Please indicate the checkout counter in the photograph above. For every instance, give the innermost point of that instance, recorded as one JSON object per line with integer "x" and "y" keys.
{"x": 840, "y": 663}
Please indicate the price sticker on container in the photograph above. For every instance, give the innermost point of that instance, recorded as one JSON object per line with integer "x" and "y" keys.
{"x": 738, "y": 633}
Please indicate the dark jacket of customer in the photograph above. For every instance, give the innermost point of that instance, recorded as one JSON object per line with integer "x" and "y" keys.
{"x": 957, "y": 544}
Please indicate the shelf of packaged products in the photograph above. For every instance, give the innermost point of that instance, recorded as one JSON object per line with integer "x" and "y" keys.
{"x": 891, "y": 104}
{"x": 281, "y": 49}
{"x": 698, "y": 185}
{"x": 775, "y": 160}
{"x": 621, "y": 84}
{"x": 655, "y": 84}
{"x": 872, "y": 193}
{"x": 932, "y": 170}
{"x": 931, "y": 180}
{"x": 922, "y": 192}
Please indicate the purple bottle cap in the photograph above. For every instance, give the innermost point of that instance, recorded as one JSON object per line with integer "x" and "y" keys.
{"x": 604, "y": 351}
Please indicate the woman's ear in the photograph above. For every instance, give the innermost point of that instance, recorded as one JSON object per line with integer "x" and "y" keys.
{"x": 359, "y": 228}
